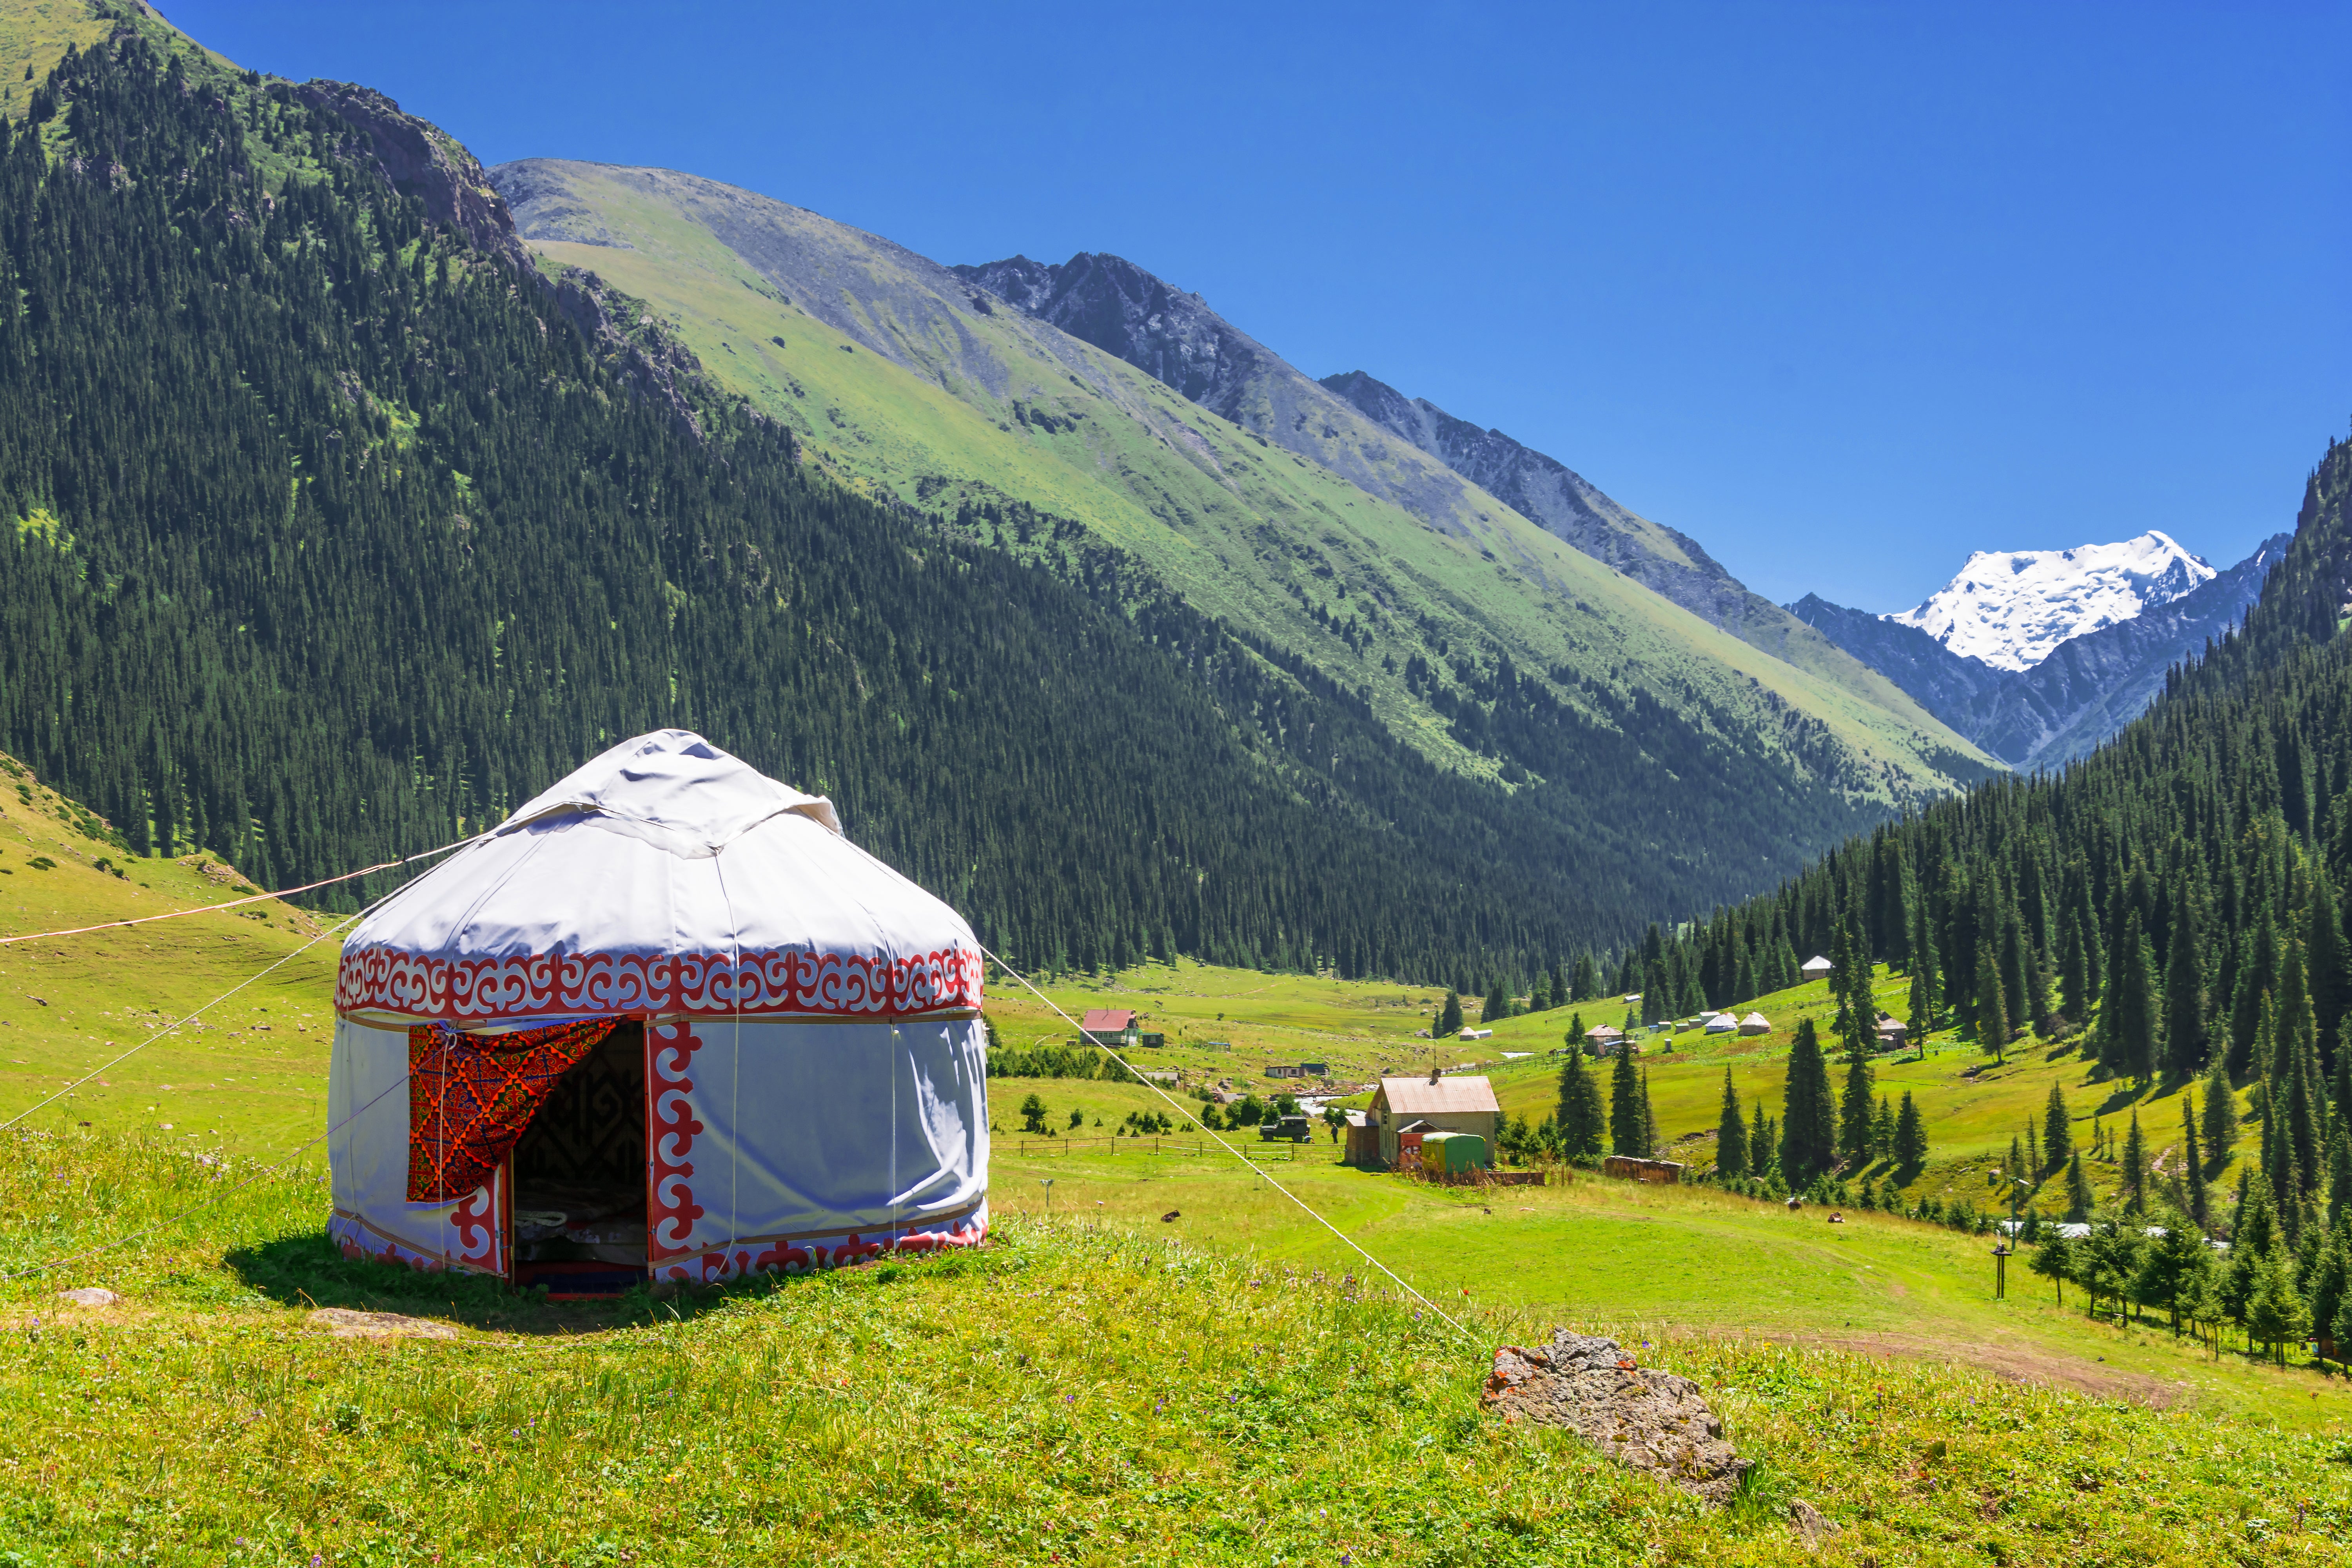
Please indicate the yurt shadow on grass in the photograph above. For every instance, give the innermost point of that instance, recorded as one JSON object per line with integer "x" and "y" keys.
{"x": 664, "y": 1023}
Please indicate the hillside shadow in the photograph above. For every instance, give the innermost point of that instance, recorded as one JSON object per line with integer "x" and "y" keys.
{"x": 310, "y": 1271}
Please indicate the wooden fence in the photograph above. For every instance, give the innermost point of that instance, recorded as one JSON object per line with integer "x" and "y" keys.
{"x": 1283, "y": 1152}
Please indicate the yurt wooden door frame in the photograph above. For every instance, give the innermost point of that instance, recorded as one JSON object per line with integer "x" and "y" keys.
{"x": 584, "y": 1157}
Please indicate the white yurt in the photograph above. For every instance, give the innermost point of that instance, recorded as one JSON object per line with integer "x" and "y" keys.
{"x": 665, "y": 1022}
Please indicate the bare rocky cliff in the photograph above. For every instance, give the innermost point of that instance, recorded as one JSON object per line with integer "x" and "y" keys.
{"x": 421, "y": 160}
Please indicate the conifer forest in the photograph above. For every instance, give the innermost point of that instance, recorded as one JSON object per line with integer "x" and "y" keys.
{"x": 337, "y": 537}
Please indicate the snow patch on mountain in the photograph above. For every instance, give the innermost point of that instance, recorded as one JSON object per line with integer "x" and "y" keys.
{"x": 2011, "y": 607}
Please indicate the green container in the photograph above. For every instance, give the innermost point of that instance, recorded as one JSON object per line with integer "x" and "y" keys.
{"x": 1452, "y": 1153}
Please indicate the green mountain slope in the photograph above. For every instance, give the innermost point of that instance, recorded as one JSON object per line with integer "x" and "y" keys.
{"x": 912, "y": 380}
{"x": 340, "y": 529}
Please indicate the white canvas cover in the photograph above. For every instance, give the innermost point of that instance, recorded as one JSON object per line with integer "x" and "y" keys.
{"x": 815, "y": 1073}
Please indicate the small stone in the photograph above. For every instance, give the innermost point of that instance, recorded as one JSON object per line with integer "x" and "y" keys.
{"x": 1807, "y": 1522}
{"x": 1650, "y": 1421}
{"x": 89, "y": 1296}
{"x": 345, "y": 1323}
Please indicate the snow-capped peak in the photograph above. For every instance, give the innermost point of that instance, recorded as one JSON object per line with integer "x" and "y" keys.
{"x": 2011, "y": 607}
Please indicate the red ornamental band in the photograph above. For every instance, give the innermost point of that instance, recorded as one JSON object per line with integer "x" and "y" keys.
{"x": 708, "y": 984}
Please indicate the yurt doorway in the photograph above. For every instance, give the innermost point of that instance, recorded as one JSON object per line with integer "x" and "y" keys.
{"x": 580, "y": 1175}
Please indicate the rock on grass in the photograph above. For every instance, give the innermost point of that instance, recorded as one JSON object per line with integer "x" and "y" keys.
{"x": 1645, "y": 1420}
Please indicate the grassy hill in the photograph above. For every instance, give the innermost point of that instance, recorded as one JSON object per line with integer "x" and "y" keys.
{"x": 908, "y": 382}
{"x": 1078, "y": 1392}
{"x": 246, "y": 1088}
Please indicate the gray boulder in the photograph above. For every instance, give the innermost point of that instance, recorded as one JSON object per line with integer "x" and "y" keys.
{"x": 1646, "y": 1420}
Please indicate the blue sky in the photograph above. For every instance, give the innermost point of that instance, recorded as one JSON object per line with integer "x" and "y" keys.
{"x": 1844, "y": 291}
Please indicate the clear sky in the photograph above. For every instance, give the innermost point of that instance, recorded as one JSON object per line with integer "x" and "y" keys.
{"x": 1844, "y": 291}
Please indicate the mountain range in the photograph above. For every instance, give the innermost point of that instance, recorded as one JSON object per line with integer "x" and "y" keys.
{"x": 1109, "y": 398}
{"x": 2071, "y": 646}
{"x": 1325, "y": 606}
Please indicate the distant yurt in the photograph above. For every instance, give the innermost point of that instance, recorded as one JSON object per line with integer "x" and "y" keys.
{"x": 664, "y": 1022}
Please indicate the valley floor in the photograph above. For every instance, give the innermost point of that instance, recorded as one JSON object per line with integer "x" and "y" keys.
{"x": 1082, "y": 1391}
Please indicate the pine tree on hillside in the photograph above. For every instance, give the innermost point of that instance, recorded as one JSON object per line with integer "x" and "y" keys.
{"x": 1910, "y": 1136}
{"x": 1498, "y": 1005}
{"x": 2135, "y": 1167}
{"x": 2297, "y": 1028}
{"x": 2074, "y": 972}
{"x": 2257, "y": 974}
{"x": 1881, "y": 1130}
{"x": 2016, "y": 975}
{"x": 2129, "y": 1025}
{"x": 2325, "y": 956}
{"x": 2079, "y": 1201}
{"x": 2221, "y": 1113}
{"x": 2057, "y": 1132}
{"x": 2184, "y": 1047}
{"x": 1574, "y": 1038}
{"x": 1585, "y": 985}
{"x": 1730, "y": 1133}
{"x": 2339, "y": 1173}
{"x": 1854, "y": 1108}
{"x": 1992, "y": 1011}
{"x": 1763, "y": 1141}
{"x": 1808, "y": 1114}
{"x": 1583, "y": 1124}
{"x": 1626, "y": 1104}
{"x": 2192, "y": 1168}
{"x": 1449, "y": 1018}
{"x": 1927, "y": 984}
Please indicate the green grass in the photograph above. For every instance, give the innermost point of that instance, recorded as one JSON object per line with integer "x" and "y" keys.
{"x": 1244, "y": 531}
{"x": 249, "y": 1074}
{"x": 1701, "y": 1261}
{"x": 1080, "y": 1391}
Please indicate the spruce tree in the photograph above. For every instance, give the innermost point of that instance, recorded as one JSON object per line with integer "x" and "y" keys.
{"x": 1626, "y": 1104}
{"x": 1761, "y": 1143}
{"x": 1730, "y": 1133}
{"x": 1854, "y": 1108}
{"x": 2078, "y": 1191}
{"x": 2184, "y": 992}
{"x": 1926, "y": 982}
{"x": 1582, "y": 1123}
{"x": 1910, "y": 1136}
{"x": 2325, "y": 958}
{"x": 1496, "y": 1008}
{"x": 2192, "y": 1160}
{"x": 2135, "y": 1167}
{"x": 1585, "y": 985}
{"x": 2074, "y": 971}
{"x": 1881, "y": 1130}
{"x": 1449, "y": 1018}
{"x": 2330, "y": 1284}
{"x": 2221, "y": 1113}
{"x": 2057, "y": 1131}
{"x": 1808, "y": 1114}
{"x": 1992, "y": 1010}
{"x": 2128, "y": 1025}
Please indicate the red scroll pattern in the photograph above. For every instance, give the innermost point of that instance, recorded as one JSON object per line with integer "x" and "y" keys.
{"x": 671, "y": 1127}
{"x": 706, "y": 985}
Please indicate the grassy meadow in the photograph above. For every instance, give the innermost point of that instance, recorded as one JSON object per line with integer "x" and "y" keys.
{"x": 1102, "y": 1382}
{"x": 1081, "y": 1391}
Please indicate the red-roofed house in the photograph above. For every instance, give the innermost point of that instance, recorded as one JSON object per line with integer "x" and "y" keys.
{"x": 1109, "y": 1026}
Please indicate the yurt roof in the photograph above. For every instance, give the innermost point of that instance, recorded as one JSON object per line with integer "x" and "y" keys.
{"x": 663, "y": 878}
